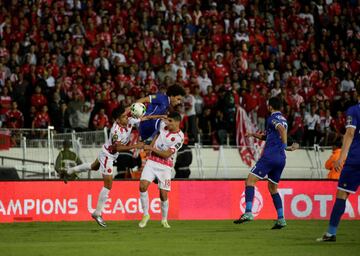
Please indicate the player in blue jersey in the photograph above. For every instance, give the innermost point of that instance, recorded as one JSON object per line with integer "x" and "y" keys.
{"x": 159, "y": 104}
{"x": 350, "y": 175}
{"x": 271, "y": 163}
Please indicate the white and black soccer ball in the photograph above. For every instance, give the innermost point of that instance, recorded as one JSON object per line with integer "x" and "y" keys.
{"x": 137, "y": 110}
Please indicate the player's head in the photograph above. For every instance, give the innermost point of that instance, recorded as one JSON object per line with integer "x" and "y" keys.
{"x": 66, "y": 144}
{"x": 119, "y": 115}
{"x": 274, "y": 104}
{"x": 173, "y": 121}
{"x": 176, "y": 94}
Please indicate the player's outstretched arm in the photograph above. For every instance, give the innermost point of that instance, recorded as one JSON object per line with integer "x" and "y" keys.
{"x": 144, "y": 118}
{"x": 118, "y": 147}
{"x": 144, "y": 100}
{"x": 348, "y": 138}
{"x": 260, "y": 136}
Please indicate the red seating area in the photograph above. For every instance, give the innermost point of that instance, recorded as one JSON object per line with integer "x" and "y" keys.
{"x": 70, "y": 63}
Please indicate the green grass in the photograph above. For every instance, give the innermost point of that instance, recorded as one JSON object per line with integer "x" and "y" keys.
{"x": 184, "y": 238}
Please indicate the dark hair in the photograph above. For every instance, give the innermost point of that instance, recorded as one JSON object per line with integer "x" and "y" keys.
{"x": 275, "y": 103}
{"x": 117, "y": 112}
{"x": 66, "y": 143}
{"x": 175, "y": 90}
{"x": 175, "y": 115}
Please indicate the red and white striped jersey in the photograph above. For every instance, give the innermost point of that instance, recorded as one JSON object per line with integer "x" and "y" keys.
{"x": 120, "y": 134}
{"x": 165, "y": 141}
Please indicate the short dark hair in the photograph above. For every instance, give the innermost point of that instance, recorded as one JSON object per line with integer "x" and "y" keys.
{"x": 275, "y": 103}
{"x": 175, "y": 115}
{"x": 117, "y": 112}
{"x": 175, "y": 90}
{"x": 67, "y": 143}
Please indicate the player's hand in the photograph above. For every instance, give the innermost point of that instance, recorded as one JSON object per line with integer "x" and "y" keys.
{"x": 139, "y": 145}
{"x": 338, "y": 165}
{"x": 112, "y": 148}
{"x": 294, "y": 146}
{"x": 147, "y": 147}
{"x": 247, "y": 135}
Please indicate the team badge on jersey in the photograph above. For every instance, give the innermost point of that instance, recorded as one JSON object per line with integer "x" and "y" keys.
{"x": 348, "y": 120}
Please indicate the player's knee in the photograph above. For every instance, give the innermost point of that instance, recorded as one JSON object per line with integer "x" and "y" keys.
{"x": 272, "y": 187}
{"x": 163, "y": 195}
{"x": 142, "y": 187}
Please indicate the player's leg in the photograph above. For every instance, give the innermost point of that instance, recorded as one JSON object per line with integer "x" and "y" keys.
{"x": 147, "y": 176}
{"x": 280, "y": 222}
{"x": 102, "y": 198}
{"x": 256, "y": 173}
{"x": 273, "y": 180}
{"x": 163, "y": 174}
{"x": 348, "y": 183}
{"x": 164, "y": 207}
{"x": 84, "y": 167}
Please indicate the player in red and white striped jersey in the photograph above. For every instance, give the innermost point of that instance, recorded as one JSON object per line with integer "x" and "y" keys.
{"x": 159, "y": 164}
{"x": 118, "y": 141}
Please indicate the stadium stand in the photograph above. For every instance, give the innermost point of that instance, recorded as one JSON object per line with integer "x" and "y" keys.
{"x": 56, "y": 56}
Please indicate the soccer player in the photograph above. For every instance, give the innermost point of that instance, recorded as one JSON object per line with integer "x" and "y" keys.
{"x": 350, "y": 175}
{"x": 162, "y": 151}
{"x": 271, "y": 163}
{"x": 118, "y": 141}
{"x": 159, "y": 104}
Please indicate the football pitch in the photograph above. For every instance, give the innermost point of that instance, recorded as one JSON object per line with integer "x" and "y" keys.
{"x": 184, "y": 238}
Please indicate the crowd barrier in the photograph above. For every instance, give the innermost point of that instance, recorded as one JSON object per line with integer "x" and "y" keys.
{"x": 189, "y": 200}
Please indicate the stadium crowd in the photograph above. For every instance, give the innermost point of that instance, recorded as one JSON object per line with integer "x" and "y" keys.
{"x": 70, "y": 63}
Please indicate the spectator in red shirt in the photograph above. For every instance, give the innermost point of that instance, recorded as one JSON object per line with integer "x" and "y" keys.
{"x": 14, "y": 118}
{"x": 101, "y": 120}
{"x": 220, "y": 71}
{"x": 210, "y": 99}
{"x": 38, "y": 100}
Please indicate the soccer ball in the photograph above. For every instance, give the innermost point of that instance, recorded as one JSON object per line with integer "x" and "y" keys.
{"x": 137, "y": 109}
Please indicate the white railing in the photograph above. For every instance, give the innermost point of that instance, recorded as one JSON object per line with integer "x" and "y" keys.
{"x": 34, "y": 153}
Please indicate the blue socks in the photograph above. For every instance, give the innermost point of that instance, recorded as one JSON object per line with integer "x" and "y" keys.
{"x": 337, "y": 211}
{"x": 249, "y": 197}
{"x": 278, "y": 205}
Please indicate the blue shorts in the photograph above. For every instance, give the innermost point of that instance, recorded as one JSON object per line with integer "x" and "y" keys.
{"x": 349, "y": 178}
{"x": 148, "y": 128}
{"x": 272, "y": 168}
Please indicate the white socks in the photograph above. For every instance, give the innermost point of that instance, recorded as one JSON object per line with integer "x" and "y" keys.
{"x": 103, "y": 196}
{"x": 79, "y": 168}
{"x": 144, "y": 198}
{"x": 164, "y": 209}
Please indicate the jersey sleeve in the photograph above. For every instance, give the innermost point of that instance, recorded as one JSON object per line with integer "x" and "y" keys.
{"x": 351, "y": 120}
{"x": 134, "y": 121}
{"x": 158, "y": 99}
{"x": 275, "y": 122}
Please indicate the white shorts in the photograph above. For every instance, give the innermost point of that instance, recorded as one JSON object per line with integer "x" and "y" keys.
{"x": 106, "y": 163}
{"x": 154, "y": 170}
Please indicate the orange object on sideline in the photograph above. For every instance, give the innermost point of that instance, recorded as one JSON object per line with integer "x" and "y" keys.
{"x": 333, "y": 174}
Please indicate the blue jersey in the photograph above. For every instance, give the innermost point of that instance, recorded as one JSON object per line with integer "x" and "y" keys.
{"x": 159, "y": 104}
{"x": 274, "y": 145}
{"x": 353, "y": 120}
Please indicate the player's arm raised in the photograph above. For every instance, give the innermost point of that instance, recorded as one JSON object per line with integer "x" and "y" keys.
{"x": 260, "y": 136}
{"x": 144, "y": 118}
{"x": 144, "y": 100}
